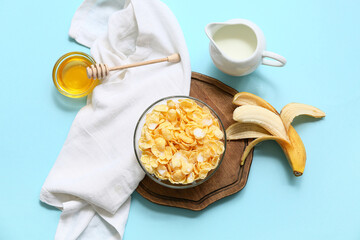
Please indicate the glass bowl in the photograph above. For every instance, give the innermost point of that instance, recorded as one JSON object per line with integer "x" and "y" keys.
{"x": 69, "y": 75}
{"x": 138, "y": 152}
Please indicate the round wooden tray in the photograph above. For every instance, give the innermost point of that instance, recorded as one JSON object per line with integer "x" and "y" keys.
{"x": 229, "y": 178}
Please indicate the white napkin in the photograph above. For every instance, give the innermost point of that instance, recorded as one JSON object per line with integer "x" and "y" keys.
{"x": 96, "y": 171}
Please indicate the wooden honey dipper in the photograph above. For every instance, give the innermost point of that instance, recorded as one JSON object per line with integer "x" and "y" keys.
{"x": 100, "y": 70}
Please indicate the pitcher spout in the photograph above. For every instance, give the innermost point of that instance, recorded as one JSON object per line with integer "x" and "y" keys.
{"x": 211, "y": 29}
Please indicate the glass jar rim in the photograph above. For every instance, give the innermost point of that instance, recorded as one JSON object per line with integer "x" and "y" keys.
{"x": 58, "y": 64}
{"x": 178, "y": 186}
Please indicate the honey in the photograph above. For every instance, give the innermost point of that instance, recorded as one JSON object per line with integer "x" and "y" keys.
{"x": 70, "y": 76}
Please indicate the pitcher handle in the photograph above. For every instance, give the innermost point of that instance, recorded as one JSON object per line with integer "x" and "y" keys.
{"x": 279, "y": 61}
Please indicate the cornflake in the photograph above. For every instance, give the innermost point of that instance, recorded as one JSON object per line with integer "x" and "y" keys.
{"x": 181, "y": 141}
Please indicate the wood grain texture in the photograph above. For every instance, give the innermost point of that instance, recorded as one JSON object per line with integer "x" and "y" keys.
{"x": 229, "y": 178}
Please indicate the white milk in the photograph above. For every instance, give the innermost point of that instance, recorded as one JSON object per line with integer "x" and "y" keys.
{"x": 237, "y": 41}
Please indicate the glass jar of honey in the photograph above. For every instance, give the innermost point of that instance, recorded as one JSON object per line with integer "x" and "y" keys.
{"x": 69, "y": 75}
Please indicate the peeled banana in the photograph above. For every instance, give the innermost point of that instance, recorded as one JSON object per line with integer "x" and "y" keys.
{"x": 256, "y": 118}
{"x": 262, "y": 117}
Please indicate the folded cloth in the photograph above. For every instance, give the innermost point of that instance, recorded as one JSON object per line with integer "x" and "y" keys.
{"x": 96, "y": 171}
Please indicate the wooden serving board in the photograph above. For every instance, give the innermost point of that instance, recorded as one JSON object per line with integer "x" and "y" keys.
{"x": 229, "y": 178}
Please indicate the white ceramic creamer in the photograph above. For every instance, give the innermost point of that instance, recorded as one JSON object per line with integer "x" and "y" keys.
{"x": 237, "y": 47}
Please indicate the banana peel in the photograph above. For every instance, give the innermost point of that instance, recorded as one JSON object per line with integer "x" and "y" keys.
{"x": 292, "y": 110}
{"x": 246, "y": 98}
{"x": 259, "y": 140}
{"x": 292, "y": 145}
{"x": 294, "y": 152}
{"x": 245, "y": 131}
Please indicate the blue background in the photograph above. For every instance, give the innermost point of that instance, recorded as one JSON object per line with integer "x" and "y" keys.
{"x": 320, "y": 40}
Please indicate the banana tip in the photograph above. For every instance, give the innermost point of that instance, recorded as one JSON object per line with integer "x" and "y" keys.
{"x": 297, "y": 174}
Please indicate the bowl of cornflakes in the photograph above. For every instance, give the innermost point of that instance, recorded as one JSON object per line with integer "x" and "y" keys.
{"x": 179, "y": 141}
